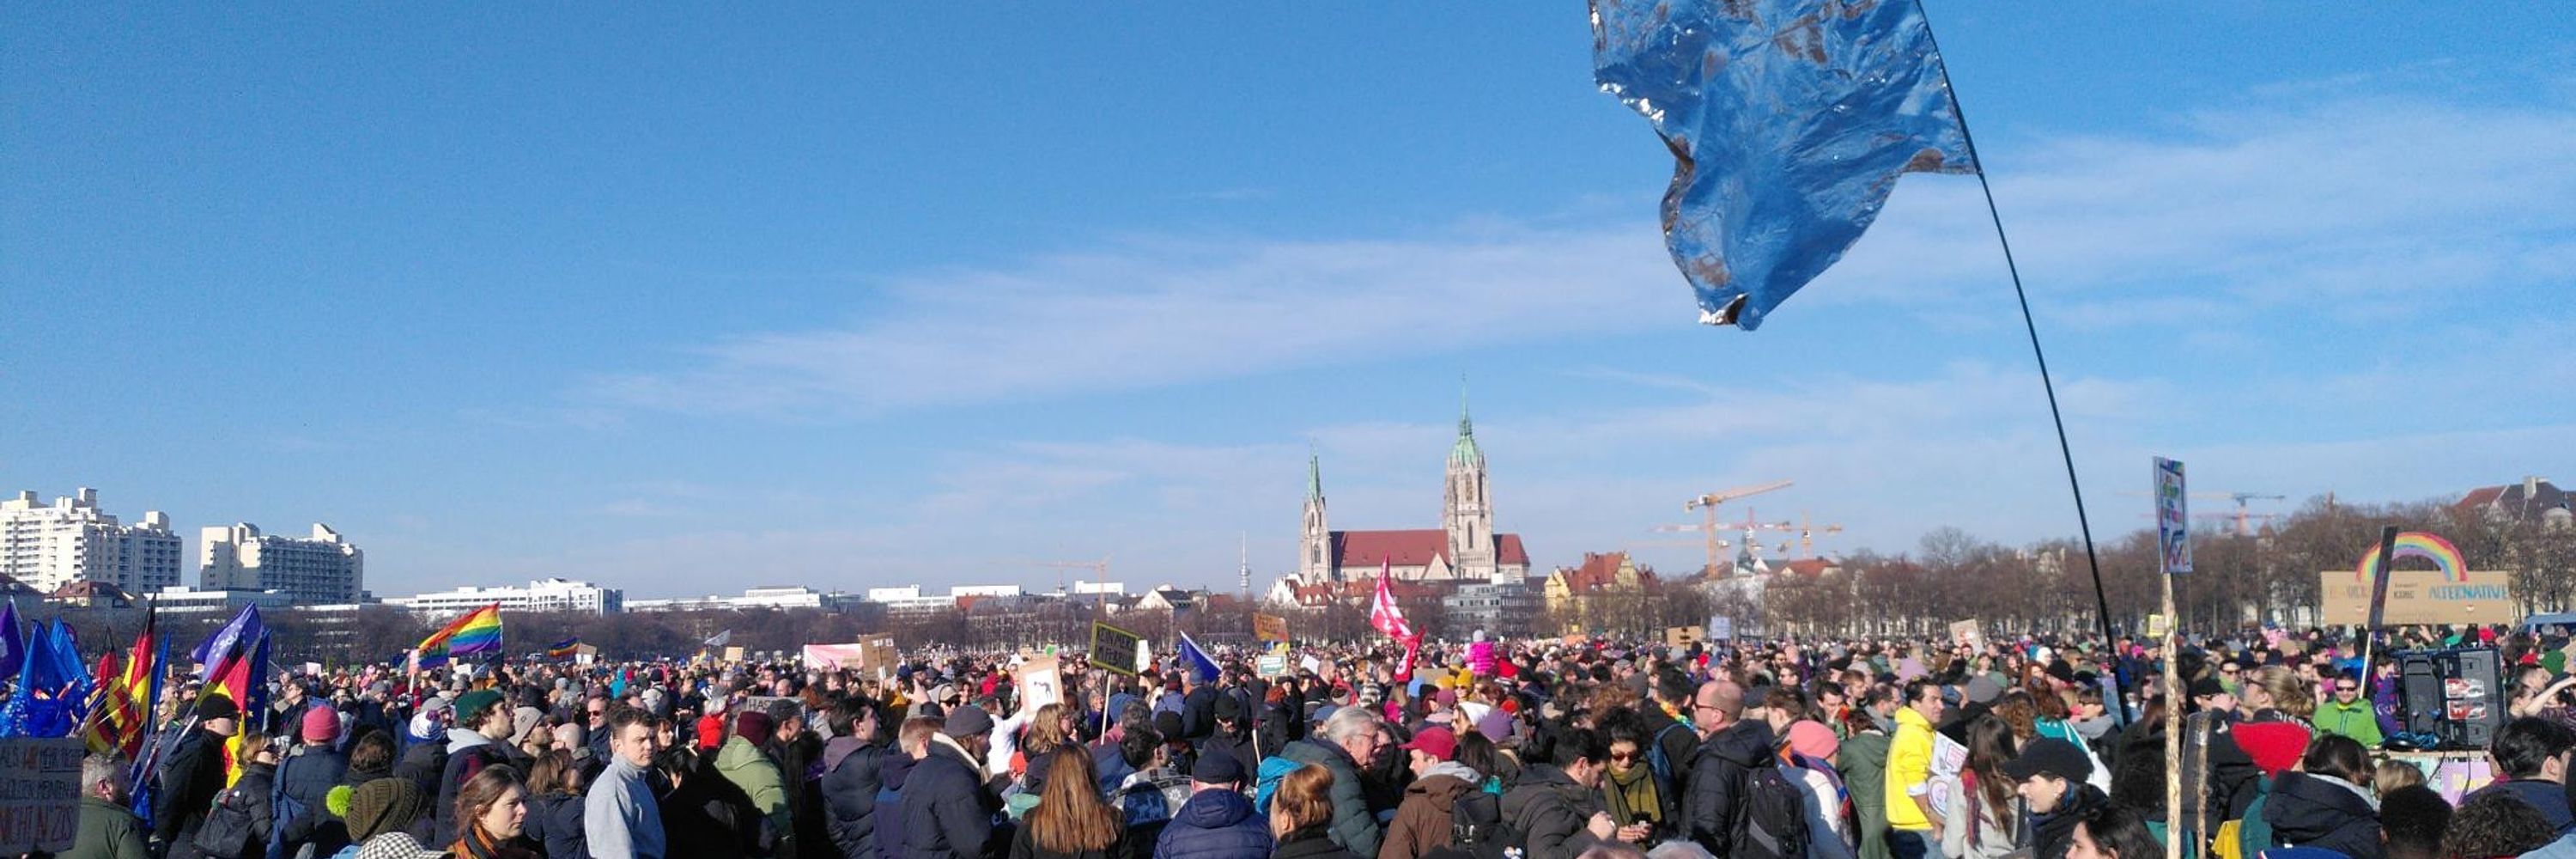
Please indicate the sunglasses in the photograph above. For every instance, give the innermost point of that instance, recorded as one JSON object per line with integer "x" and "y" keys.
{"x": 2347, "y": 688}
{"x": 1623, "y": 756}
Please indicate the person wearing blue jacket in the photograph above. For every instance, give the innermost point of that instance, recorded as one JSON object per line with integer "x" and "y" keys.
{"x": 1217, "y": 822}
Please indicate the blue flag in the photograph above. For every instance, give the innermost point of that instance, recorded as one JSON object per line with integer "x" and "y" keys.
{"x": 1789, "y": 122}
{"x": 52, "y": 687}
{"x": 1198, "y": 660}
{"x": 244, "y": 629}
{"x": 13, "y": 644}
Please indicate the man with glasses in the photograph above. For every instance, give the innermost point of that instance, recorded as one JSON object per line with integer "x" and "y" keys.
{"x": 2348, "y": 714}
{"x": 1349, "y": 742}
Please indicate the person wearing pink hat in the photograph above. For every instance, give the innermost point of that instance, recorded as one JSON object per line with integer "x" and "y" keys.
{"x": 1808, "y": 753}
{"x": 305, "y": 779}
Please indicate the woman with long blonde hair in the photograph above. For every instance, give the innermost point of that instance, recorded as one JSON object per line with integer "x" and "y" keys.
{"x": 1071, "y": 821}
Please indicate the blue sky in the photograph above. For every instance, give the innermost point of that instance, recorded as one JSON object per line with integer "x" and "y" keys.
{"x": 851, "y": 296}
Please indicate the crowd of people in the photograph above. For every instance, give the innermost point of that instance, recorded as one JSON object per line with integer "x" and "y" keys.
{"x": 2019, "y": 749}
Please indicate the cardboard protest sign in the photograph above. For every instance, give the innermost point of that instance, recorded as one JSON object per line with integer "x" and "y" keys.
{"x": 2420, "y": 597}
{"x": 1269, "y": 628}
{"x": 1971, "y": 633}
{"x": 1040, "y": 681}
{"x": 39, "y": 794}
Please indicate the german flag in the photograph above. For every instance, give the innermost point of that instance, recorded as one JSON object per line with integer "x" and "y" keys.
{"x": 120, "y": 714}
{"x": 241, "y": 677}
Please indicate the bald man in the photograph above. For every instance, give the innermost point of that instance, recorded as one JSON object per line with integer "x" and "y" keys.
{"x": 1731, "y": 747}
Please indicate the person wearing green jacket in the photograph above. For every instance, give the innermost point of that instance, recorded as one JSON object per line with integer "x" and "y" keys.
{"x": 2349, "y": 714}
{"x": 1864, "y": 762}
{"x": 742, "y": 762}
{"x": 108, "y": 830}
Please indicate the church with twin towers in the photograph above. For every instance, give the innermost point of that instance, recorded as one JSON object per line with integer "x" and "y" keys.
{"x": 1465, "y": 549}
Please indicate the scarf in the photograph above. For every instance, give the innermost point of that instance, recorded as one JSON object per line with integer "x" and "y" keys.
{"x": 1631, "y": 797}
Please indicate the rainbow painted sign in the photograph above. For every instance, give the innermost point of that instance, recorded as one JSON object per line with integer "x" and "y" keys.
{"x": 2418, "y": 544}
{"x": 2449, "y": 593}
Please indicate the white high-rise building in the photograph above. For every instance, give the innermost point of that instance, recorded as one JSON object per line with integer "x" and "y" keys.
{"x": 540, "y": 595}
{"x": 319, "y": 569}
{"x": 48, "y": 546}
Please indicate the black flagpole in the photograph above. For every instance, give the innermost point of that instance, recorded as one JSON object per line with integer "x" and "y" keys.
{"x": 2101, "y": 603}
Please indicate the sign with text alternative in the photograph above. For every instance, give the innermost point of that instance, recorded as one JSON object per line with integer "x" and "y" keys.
{"x": 1268, "y": 628}
{"x": 1721, "y": 628}
{"x": 39, "y": 794}
{"x": 1116, "y": 650}
{"x": 1969, "y": 633}
{"x": 2173, "y": 518}
{"x": 1040, "y": 681}
{"x": 2420, "y": 597}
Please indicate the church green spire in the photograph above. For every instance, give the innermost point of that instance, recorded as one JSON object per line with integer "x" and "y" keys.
{"x": 1465, "y": 451}
{"x": 1314, "y": 477}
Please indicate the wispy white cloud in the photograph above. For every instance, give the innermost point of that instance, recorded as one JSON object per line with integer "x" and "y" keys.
{"x": 1146, "y": 314}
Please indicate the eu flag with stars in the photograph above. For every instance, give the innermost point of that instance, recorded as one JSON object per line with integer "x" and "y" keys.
{"x": 1789, "y": 122}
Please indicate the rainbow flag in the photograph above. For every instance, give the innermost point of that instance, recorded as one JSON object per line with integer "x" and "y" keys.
{"x": 564, "y": 649}
{"x": 477, "y": 631}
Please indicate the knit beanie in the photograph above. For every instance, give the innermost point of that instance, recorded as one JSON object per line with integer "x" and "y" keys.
{"x": 321, "y": 725}
{"x": 381, "y": 806}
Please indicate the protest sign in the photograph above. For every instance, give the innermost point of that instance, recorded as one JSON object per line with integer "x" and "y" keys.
{"x": 39, "y": 794}
{"x": 1040, "y": 681}
{"x": 1682, "y": 636}
{"x": 1116, "y": 650}
{"x": 2420, "y": 597}
{"x": 830, "y": 656}
{"x": 1721, "y": 628}
{"x": 1971, "y": 633}
{"x": 1271, "y": 665}
{"x": 1269, "y": 628}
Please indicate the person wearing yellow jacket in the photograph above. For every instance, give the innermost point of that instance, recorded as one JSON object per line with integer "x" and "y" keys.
{"x": 1909, "y": 766}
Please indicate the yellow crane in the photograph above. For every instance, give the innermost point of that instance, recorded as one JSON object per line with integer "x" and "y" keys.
{"x": 1707, "y": 505}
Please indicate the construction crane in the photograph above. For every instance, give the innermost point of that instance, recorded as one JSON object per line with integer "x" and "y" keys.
{"x": 1099, "y": 573}
{"x": 2243, "y": 518}
{"x": 1707, "y": 505}
{"x": 1807, "y": 534}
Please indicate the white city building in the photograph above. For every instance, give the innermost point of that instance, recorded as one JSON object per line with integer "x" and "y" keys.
{"x": 785, "y": 597}
{"x": 320, "y": 569}
{"x": 48, "y": 546}
{"x": 539, "y": 595}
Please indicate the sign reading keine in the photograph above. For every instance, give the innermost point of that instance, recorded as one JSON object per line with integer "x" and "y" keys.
{"x": 2420, "y": 597}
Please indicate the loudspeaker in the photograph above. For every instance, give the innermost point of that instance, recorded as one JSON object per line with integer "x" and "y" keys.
{"x": 2456, "y": 695}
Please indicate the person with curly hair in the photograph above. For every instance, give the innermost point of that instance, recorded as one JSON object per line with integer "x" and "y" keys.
{"x": 2495, "y": 826}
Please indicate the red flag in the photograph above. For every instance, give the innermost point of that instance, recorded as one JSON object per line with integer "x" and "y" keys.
{"x": 1384, "y": 615}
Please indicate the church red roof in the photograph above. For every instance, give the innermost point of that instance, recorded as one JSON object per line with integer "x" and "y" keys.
{"x": 1413, "y": 548}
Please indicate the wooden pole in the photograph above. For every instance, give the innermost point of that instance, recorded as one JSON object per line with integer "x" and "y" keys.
{"x": 2174, "y": 830}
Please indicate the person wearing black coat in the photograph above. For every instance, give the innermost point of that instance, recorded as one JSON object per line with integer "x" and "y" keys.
{"x": 238, "y": 825}
{"x": 700, "y": 817}
{"x": 947, "y": 813}
{"x": 306, "y": 778}
{"x": 194, "y": 776}
{"x": 554, "y": 821}
{"x": 1556, "y": 805}
{"x": 2316, "y": 810}
{"x": 1717, "y": 770}
{"x": 1313, "y": 842}
{"x": 853, "y": 772}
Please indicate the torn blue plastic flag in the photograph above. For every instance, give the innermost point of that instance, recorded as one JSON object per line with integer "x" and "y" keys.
{"x": 1789, "y": 122}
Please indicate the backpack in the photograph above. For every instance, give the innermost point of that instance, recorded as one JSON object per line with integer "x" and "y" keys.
{"x": 2253, "y": 833}
{"x": 1656, "y": 759}
{"x": 1770, "y": 816}
{"x": 284, "y": 808}
{"x": 1272, "y": 769}
{"x": 1477, "y": 827}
